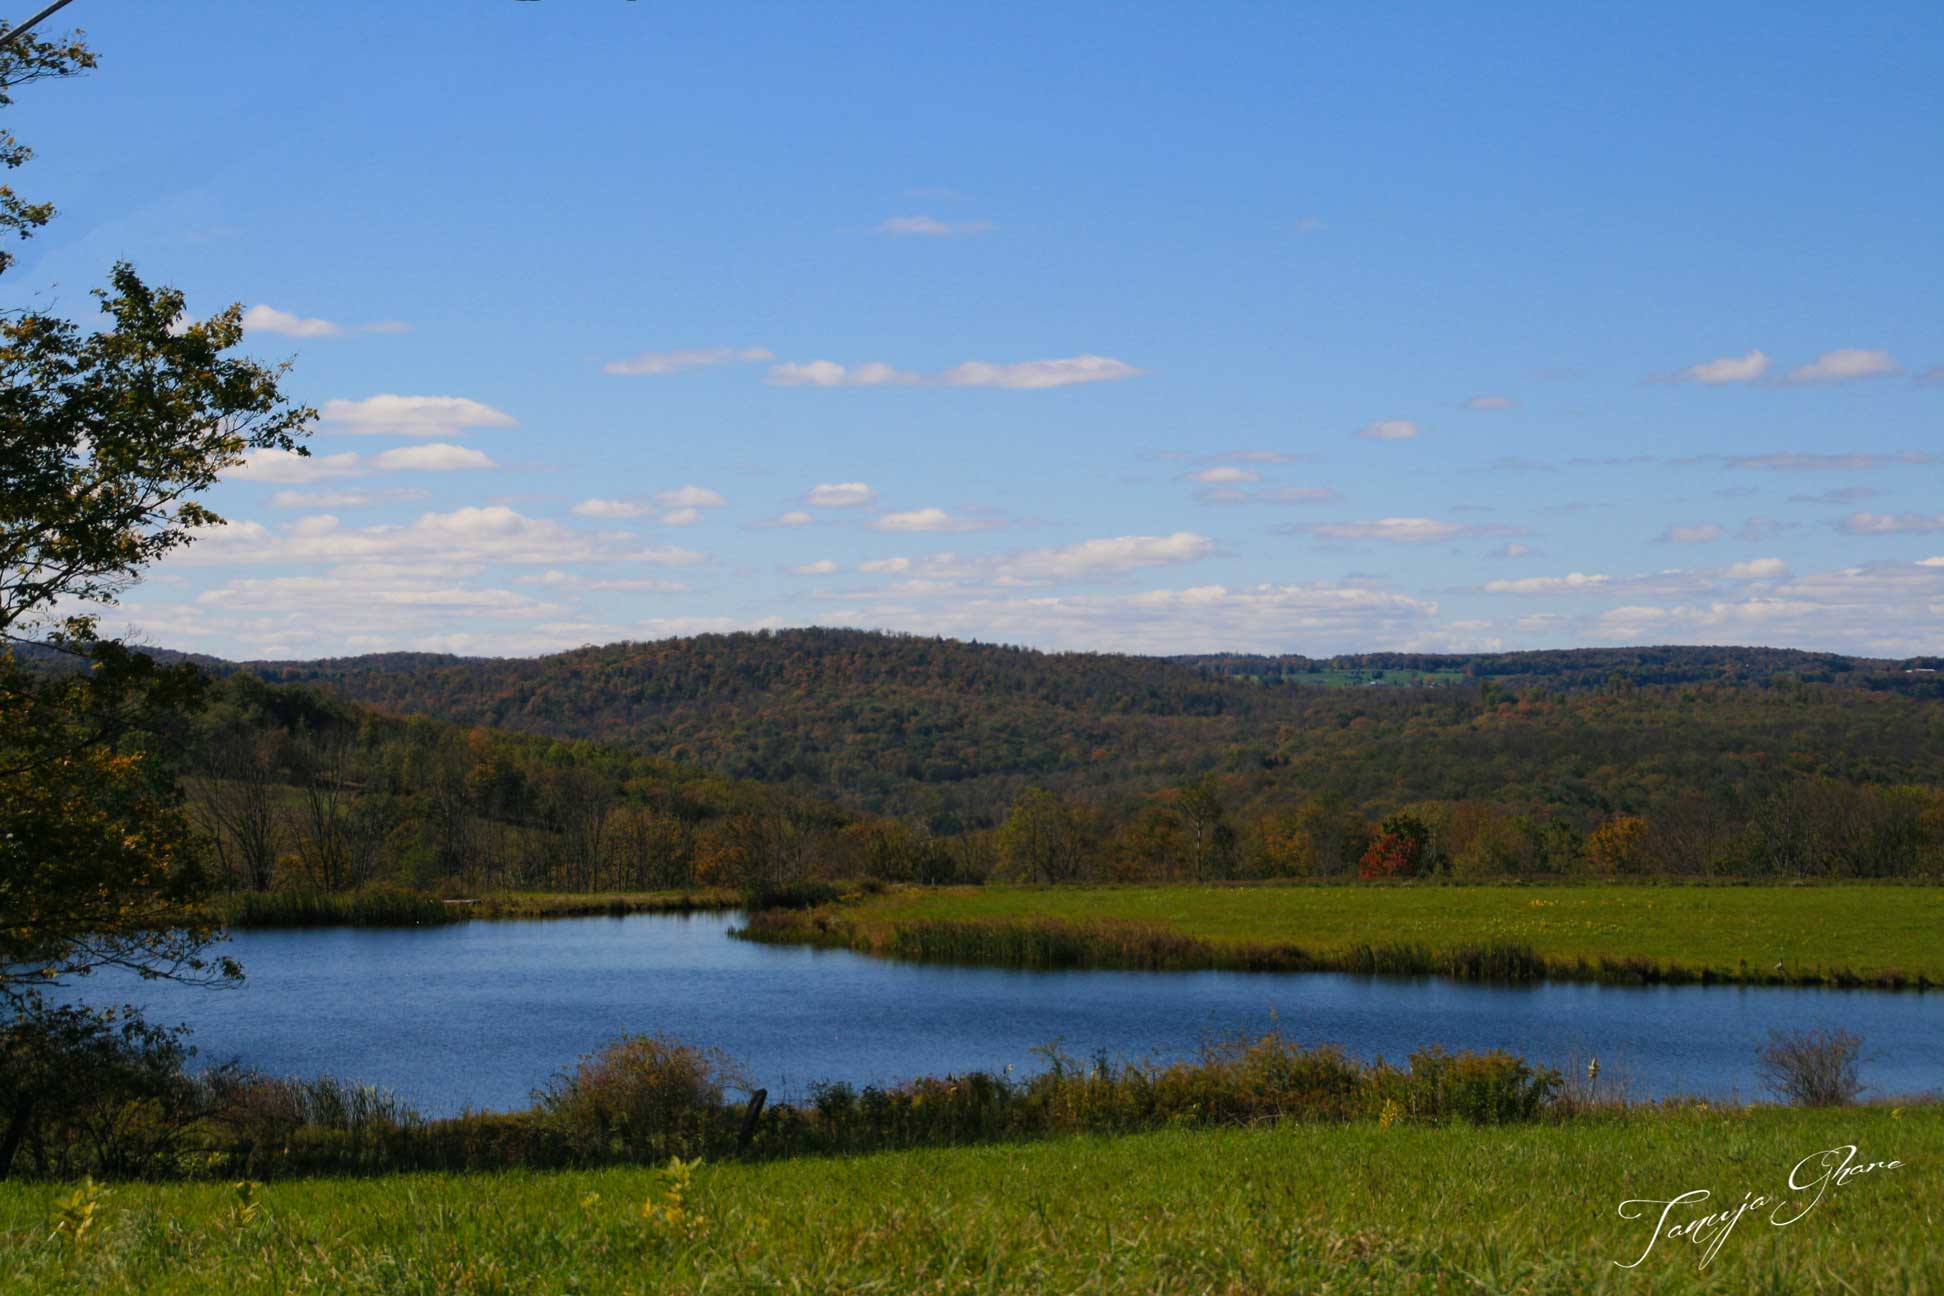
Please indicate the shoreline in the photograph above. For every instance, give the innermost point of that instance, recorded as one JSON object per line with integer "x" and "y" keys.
{"x": 1115, "y": 945}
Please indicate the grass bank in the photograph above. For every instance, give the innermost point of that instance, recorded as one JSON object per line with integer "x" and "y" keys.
{"x": 1884, "y": 936}
{"x": 392, "y": 906}
{"x": 1285, "y": 1207}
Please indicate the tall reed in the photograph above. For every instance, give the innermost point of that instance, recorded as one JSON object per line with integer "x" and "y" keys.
{"x": 1047, "y": 943}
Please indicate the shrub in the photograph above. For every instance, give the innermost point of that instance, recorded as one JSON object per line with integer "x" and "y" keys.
{"x": 88, "y": 1092}
{"x": 643, "y": 1097}
{"x": 1812, "y": 1068}
{"x": 798, "y": 895}
{"x": 1495, "y": 1088}
{"x": 1398, "y": 851}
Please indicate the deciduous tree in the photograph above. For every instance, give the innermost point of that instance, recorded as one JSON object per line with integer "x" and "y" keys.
{"x": 107, "y": 435}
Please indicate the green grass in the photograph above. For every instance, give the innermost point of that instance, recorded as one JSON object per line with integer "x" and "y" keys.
{"x": 1873, "y": 934}
{"x": 1280, "y": 1208}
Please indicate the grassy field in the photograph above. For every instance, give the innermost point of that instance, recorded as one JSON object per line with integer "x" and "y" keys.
{"x": 1357, "y": 1208}
{"x": 1873, "y": 932}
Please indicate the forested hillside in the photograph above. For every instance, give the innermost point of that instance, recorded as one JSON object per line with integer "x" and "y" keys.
{"x": 296, "y": 791}
{"x": 945, "y": 731}
{"x": 951, "y": 732}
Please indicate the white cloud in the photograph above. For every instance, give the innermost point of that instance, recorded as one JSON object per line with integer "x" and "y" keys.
{"x": 1483, "y": 403}
{"x": 1691, "y": 533}
{"x": 341, "y": 499}
{"x": 821, "y": 567}
{"x": 1631, "y": 622}
{"x": 689, "y": 497}
{"x": 1934, "y": 561}
{"x": 1398, "y": 530}
{"x": 417, "y": 611}
{"x": 1036, "y": 375}
{"x": 284, "y": 468}
{"x": 416, "y": 416}
{"x": 1571, "y": 583}
{"x": 930, "y": 519}
{"x": 1026, "y": 375}
{"x": 1843, "y": 365}
{"x": 1322, "y": 616}
{"x": 627, "y": 584}
{"x": 795, "y": 518}
{"x": 656, "y": 363}
{"x": 1511, "y": 551}
{"x": 931, "y": 227}
{"x": 1727, "y": 369}
{"x": 1268, "y": 495}
{"x": 436, "y": 457}
{"x": 1093, "y": 559}
{"x": 1224, "y": 475}
{"x": 1388, "y": 430}
{"x": 682, "y": 517}
{"x": 1262, "y": 456}
{"x": 839, "y": 495}
{"x": 885, "y": 565}
{"x": 1891, "y": 523}
{"x": 1758, "y": 569}
{"x": 280, "y": 592}
{"x": 608, "y": 508}
{"x": 465, "y": 535}
{"x": 268, "y": 319}
{"x": 813, "y": 373}
{"x": 1880, "y": 608}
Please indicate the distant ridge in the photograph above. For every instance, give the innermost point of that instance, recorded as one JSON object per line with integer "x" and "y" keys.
{"x": 949, "y": 732}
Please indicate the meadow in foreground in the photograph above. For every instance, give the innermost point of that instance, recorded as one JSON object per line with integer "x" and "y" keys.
{"x": 1286, "y": 1207}
{"x": 1872, "y": 934}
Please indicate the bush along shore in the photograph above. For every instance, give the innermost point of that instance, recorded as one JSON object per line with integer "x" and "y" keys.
{"x": 1052, "y": 943}
{"x": 384, "y": 905}
{"x": 643, "y": 1099}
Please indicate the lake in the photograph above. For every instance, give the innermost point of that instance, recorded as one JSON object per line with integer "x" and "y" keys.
{"x": 482, "y": 1013}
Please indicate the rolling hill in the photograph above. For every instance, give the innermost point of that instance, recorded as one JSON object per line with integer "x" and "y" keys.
{"x": 949, "y": 732}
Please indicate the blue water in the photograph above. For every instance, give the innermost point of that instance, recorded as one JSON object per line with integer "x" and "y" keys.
{"x": 480, "y": 1014}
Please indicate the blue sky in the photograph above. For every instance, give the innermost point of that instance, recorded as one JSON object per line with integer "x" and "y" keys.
{"x": 1120, "y": 327}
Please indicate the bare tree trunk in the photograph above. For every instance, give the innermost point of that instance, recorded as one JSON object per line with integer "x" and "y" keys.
{"x": 238, "y": 808}
{"x": 327, "y": 793}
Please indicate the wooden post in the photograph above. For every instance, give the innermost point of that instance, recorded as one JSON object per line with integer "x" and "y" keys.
{"x": 750, "y": 1115}
{"x": 16, "y": 1129}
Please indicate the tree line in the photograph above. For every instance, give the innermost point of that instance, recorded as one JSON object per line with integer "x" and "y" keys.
{"x": 294, "y": 789}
